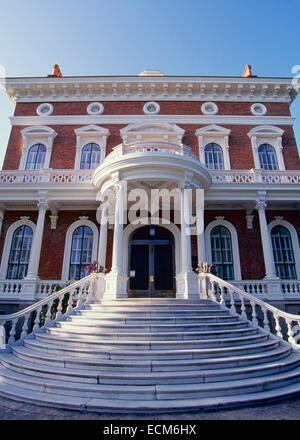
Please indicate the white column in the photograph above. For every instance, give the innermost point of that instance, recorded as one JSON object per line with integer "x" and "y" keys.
{"x": 200, "y": 233}
{"x": 35, "y": 252}
{"x": 117, "y": 258}
{"x": 2, "y": 212}
{"x": 266, "y": 242}
{"x": 116, "y": 280}
{"x": 187, "y": 282}
{"x": 103, "y": 238}
{"x": 186, "y": 252}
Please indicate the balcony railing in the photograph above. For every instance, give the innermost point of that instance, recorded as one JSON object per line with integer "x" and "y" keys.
{"x": 152, "y": 147}
{"x": 46, "y": 176}
{"x": 255, "y": 176}
{"x": 85, "y": 176}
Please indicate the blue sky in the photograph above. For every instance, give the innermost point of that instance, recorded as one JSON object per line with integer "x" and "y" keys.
{"x": 119, "y": 37}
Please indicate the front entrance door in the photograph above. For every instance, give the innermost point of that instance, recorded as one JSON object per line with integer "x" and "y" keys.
{"x": 151, "y": 269}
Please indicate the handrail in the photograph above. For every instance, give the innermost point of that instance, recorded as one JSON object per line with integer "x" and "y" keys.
{"x": 218, "y": 295}
{"x": 57, "y": 304}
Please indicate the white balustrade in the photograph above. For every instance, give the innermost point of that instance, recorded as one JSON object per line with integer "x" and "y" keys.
{"x": 281, "y": 324}
{"x": 255, "y": 176}
{"x": 17, "y": 326}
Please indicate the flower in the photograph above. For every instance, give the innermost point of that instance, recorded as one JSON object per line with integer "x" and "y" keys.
{"x": 206, "y": 268}
{"x": 94, "y": 267}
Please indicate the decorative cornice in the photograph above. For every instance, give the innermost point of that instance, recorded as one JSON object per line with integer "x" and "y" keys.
{"x": 161, "y": 88}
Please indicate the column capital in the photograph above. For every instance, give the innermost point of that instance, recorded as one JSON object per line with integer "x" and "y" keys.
{"x": 43, "y": 203}
{"x": 261, "y": 205}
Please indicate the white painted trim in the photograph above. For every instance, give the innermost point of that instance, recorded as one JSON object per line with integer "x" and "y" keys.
{"x": 37, "y": 135}
{"x": 90, "y": 134}
{"x": 129, "y": 229}
{"x": 40, "y": 112}
{"x": 234, "y": 244}
{"x": 155, "y": 104}
{"x": 214, "y": 106}
{"x": 7, "y": 244}
{"x": 267, "y": 134}
{"x": 294, "y": 239}
{"x": 93, "y": 105}
{"x": 214, "y": 134}
{"x": 132, "y": 119}
{"x": 68, "y": 245}
{"x": 261, "y": 106}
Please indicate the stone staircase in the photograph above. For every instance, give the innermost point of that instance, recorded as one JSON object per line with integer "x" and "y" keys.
{"x": 150, "y": 356}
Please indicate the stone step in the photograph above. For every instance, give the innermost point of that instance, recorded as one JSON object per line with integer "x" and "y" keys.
{"x": 154, "y": 328}
{"x": 192, "y": 353}
{"x": 151, "y": 307}
{"x": 150, "y": 378}
{"x": 155, "y": 320}
{"x": 151, "y": 392}
{"x": 151, "y": 406}
{"x": 155, "y": 301}
{"x": 90, "y": 341}
{"x": 70, "y": 331}
{"x": 109, "y": 365}
{"x": 156, "y": 314}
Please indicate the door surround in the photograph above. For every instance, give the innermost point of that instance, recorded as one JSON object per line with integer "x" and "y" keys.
{"x": 170, "y": 227}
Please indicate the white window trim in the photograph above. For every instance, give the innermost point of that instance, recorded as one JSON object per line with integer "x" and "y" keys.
{"x": 214, "y": 106}
{"x": 68, "y": 245}
{"x": 40, "y": 112}
{"x": 294, "y": 239}
{"x": 87, "y": 135}
{"x": 267, "y": 134}
{"x": 8, "y": 241}
{"x": 217, "y": 135}
{"x": 37, "y": 135}
{"x": 261, "y": 106}
{"x": 234, "y": 244}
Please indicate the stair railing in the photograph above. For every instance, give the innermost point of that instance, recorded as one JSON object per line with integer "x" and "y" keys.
{"x": 273, "y": 320}
{"x": 25, "y": 323}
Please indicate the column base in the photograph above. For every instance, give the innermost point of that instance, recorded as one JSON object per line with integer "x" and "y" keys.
{"x": 29, "y": 287}
{"x": 187, "y": 286}
{"x": 116, "y": 286}
{"x": 203, "y": 285}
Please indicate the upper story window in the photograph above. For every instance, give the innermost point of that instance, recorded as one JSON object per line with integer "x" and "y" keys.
{"x": 36, "y": 157}
{"x": 90, "y": 146}
{"x": 266, "y": 143}
{"x": 37, "y": 147}
{"x": 267, "y": 157}
{"x": 213, "y": 143}
{"x": 90, "y": 157}
{"x": 19, "y": 253}
{"x": 214, "y": 157}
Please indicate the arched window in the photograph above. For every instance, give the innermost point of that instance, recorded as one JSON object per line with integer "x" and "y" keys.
{"x": 267, "y": 157}
{"x": 90, "y": 157}
{"x": 36, "y": 157}
{"x": 19, "y": 253}
{"x": 214, "y": 157}
{"x": 221, "y": 252}
{"x": 283, "y": 253}
{"x": 81, "y": 252}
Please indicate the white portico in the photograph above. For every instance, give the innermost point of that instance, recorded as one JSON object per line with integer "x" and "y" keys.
{"x": 151, "y": 163}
